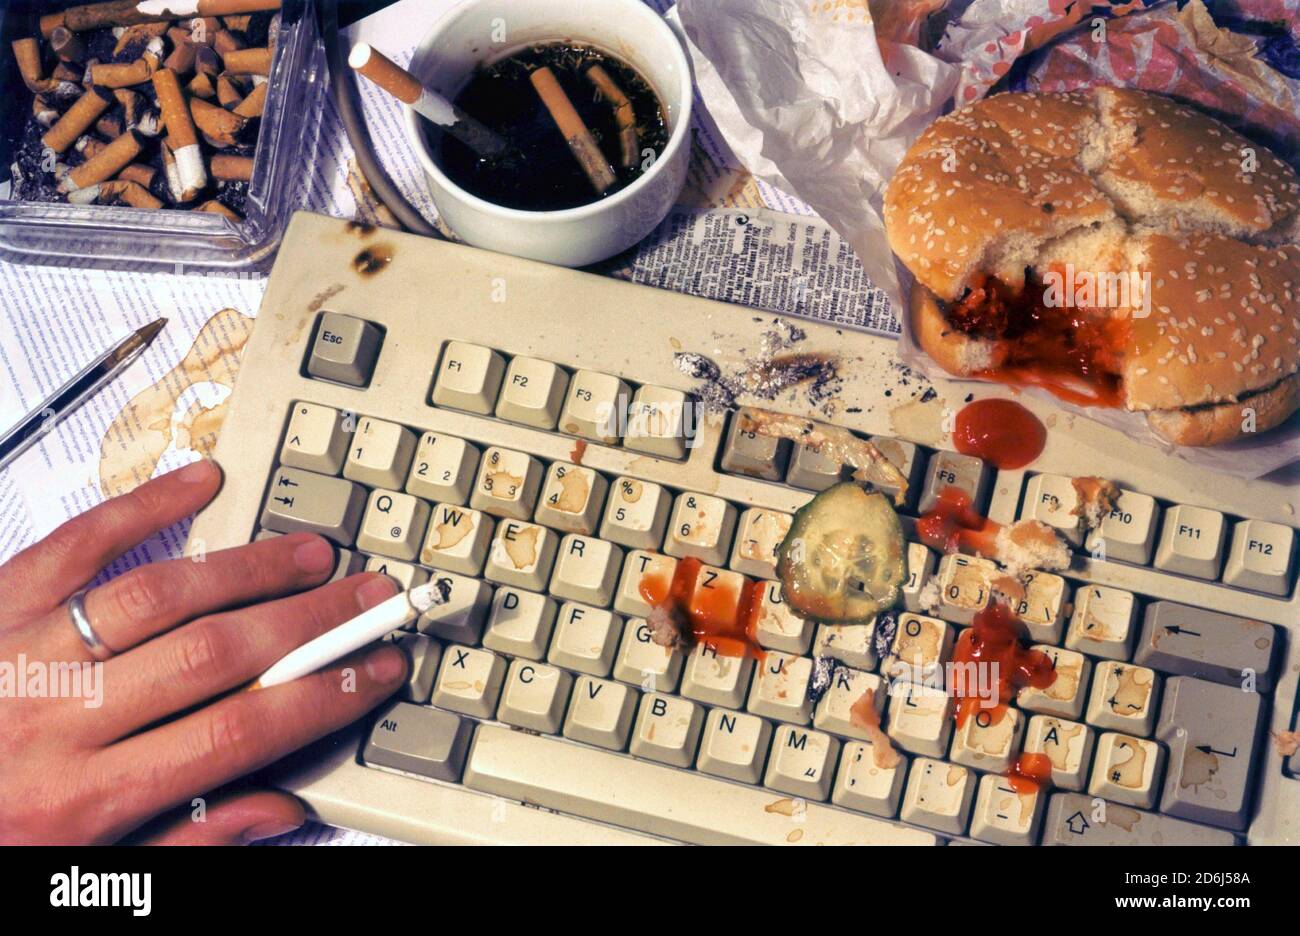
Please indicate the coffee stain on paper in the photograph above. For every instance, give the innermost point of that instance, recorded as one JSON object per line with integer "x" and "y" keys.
{"x": 184, "y": 409}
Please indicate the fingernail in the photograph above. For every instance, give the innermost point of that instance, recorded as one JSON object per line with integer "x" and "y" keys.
{"x": 375, "y": 591}
{"x": 386, "y": 665}
{"x": 195, "y": 472}
{"x": 314, "y": 556}
{"x": 269, "y": 830}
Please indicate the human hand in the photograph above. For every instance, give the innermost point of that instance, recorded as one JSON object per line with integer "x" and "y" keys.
{"x": 160, "y": 727}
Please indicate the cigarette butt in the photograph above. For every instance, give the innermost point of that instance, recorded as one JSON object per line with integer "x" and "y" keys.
{"x": 67, "y": 45}
{"x": 138, "y": 34}
{"x": 226, "y": 42}
{"x": 110, "y": 126}
{"x": 50, "y": 22}
{"x": 383, "y": 71}
{"x": 230, "y": 168}
{"x": 581, "y": 143}
{"x": 27, "y": 52}
{"x": 237, "y": 23}
{"x": 227, "y": 94}
{"x": 201, "y": 86}
{"x": 115, "y": 75}
{"x": 105, "y": 164}
{"x": 215, "y": 207}
{"x": 44, "y": 111}
{"x": 79, "y": 117}
{"x": 248, "y": 61}
{"x": 138, "y": 173}
{"x": 68, "y": 72}
{"x": 253, "y": 104}
{"x": 131, "y": 105}
{"x": 207, "y": 61}
{"x": 219, "y": 126}
{"x": 132, "y": 12}
{"x": 182, "y": 57}
{"x": 175, "y": 110}
{"x": 115, "y": 191}
{"x": 186, "y": 174}
{"x": 624, "y": 116}
{"x": 89, "y": 147}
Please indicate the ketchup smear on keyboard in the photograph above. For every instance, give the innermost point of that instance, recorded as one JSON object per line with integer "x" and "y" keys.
{"x": 953, "y": 525}
{"x": 1001, "y": 432}
{"x": 726, "y": 621}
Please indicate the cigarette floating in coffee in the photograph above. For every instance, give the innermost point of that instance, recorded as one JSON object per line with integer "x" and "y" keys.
{"x": 404, "y": 86}
{"x": 584, "y": 146}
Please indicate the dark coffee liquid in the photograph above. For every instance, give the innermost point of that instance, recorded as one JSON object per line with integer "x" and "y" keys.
{"x": 541, "y": 174}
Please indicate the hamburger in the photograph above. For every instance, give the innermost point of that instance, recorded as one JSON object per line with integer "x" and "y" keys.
{"x": 1112, "y": 246}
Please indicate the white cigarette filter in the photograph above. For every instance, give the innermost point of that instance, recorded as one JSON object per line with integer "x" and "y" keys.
{"x": 365, "y": 628}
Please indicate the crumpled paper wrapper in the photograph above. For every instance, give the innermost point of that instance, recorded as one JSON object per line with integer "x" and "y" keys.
{"x": 823, "y": 97}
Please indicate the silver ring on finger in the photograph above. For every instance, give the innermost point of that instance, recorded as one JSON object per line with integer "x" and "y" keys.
{"x": 81, "y": 624}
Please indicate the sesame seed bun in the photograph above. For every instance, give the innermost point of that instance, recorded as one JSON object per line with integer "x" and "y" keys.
{"x": 1123, "y": 182}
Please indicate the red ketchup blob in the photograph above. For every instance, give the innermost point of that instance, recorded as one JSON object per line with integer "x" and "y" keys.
{"x": 992, "y": 643}
{"x": 720, "y": 617}
{"x": 952, "y": 525}
{"x": 1030, "y": 773}
{"x": 1001, "y": 432}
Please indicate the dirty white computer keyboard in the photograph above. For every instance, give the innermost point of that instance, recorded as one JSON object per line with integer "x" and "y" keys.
{"x": 433, "y": 410}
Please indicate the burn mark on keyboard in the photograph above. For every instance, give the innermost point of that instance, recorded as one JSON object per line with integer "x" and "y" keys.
{"x": 361, "y": 229}
{"x": 373, "y": 259}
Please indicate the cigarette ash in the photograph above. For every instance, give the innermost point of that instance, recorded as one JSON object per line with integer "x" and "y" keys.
{"x": 772, "y": 370}
{"x": 882, "y": 638}
{"x": 430, "y": 594}
{"x": 823, "y": 674}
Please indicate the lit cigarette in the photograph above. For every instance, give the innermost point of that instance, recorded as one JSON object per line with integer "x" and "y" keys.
{"x": 67, "y": 45}
{"x": 131, "y": 12}
{"x": 183, "y": 139}
{"x": 229, "y": 168}
{"x": 365, "y": 628}
{"x": 248, "y": 61}
{"x": 115, "y": 75}
{"x": 107, "y": 163}
{"x": 581, "y": 143}
{"x": 253, "y": 105}
{"x": 117, "y": 190}
{"x": 78, "y": 119}
{"x": 219, "y": 126}
{"x": 401, "y": 84}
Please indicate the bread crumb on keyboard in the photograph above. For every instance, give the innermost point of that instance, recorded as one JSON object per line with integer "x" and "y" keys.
{"x": 1029, "y": 545}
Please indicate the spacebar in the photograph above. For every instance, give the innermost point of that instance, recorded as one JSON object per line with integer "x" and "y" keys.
{"x": 660, "y": 800}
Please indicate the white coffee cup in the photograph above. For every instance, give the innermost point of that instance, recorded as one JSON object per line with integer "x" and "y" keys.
{"x": 481, "y": 32}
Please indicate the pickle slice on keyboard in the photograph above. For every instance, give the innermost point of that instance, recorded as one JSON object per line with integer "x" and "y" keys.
{"x": 842, "y": 560}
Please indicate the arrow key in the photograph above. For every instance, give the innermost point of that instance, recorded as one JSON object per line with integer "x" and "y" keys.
{"x": 1211, "y": 732}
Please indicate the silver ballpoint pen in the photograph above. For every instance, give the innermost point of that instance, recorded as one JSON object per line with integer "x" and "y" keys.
{"x": 92, "y": 378}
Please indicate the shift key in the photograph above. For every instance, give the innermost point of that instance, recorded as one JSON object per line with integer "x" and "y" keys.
{"x": 1189, "y": 641}
{"x": 1211, "y": 731}
{"x": 305, "y": 502}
